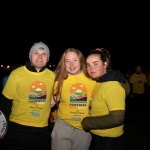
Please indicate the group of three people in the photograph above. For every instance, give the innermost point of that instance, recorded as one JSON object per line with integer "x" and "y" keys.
{"x": 89, "y": 95}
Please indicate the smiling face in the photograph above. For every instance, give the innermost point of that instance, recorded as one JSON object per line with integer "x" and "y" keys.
{"x": 39, "y": 59}
{"x": 72, "y": 63}
{"x": 95, "y": 67}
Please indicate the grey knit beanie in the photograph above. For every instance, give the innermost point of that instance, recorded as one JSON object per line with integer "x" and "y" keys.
{"x": 39, "y": 46}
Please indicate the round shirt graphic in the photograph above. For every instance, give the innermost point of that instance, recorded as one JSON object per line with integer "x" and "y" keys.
{"x": 38, "y": 92}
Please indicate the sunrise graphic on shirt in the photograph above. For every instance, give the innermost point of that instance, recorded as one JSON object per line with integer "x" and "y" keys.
{"x": 78, "y": 93}
{"x": 37, "y": 92}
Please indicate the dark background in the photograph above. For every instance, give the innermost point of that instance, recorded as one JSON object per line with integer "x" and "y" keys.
{"x": 122, "y": 28}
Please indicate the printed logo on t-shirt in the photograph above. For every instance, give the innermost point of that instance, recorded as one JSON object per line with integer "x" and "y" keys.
{"x": 139, "y": 81}
{"x": 38, "y": 92}
{"x": 78, "y": 95}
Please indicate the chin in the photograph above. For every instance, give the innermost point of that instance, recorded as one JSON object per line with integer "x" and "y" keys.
{"x": 94, "y": 77}
{"x": 39, "y": 66}
{"x": 74, "y": 73}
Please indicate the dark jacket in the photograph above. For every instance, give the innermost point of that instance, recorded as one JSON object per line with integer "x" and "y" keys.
{"x": 116, "y": 76}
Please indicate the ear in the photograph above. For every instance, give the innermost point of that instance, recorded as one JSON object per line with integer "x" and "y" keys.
{"x": 105, "y": 64}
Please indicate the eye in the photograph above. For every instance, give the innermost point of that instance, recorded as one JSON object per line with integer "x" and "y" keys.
{"x": 35, "y": 52}
{"x": 87, "y": 65}
{"x": 66, "y": 61}
{"x": 44, "y": 53}
{"x": 95, "y": 64}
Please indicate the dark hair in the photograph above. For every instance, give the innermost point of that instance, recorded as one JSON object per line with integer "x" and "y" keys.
{"x": 104, "y": 56}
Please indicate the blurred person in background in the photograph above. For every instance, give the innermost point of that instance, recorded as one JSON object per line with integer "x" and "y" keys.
{"x": 138, "y": 83}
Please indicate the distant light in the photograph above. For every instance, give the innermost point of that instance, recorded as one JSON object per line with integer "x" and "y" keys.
{"x": 49, "y": 65}
{"x": 2, "y": 66}
{"x": 53, "y": 65}
{"x": 8, "y": 66}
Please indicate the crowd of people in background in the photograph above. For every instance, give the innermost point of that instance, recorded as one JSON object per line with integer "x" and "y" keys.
{"x": 80, "y": 105}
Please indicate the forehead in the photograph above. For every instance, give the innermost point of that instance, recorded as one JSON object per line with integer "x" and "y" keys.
{"x": 92, "y": 58}
{"x": 138, "y": 67}
{"x": 71, "y": 55}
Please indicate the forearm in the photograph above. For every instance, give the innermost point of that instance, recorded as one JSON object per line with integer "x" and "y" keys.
{"x": 5, "y": 106}
{"x": 113, "y": 119}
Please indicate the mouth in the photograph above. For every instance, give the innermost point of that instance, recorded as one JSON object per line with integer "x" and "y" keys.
{"x": 72, "y": 69}
{"x": 39, "y": 61}
{"x": 93, "y": 72}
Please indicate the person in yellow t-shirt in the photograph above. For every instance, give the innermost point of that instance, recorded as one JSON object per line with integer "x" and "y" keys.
{"x": 107, "y": 108}
{"x": 73, "y": 89}
{"x": 26, "y": 102}
{"x": 138, "y": 82}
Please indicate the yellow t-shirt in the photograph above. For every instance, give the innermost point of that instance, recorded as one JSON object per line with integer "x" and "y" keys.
{"x": 138, "y": 82}
{"x": 108, "y": 96}
{"x": 31, "y": 93}
{"x": 74, "y": 99}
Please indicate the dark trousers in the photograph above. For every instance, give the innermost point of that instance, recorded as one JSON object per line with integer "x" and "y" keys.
{"x": 16, "y": 140}
{"x": 107, "y": 143}
{"x": 139, "y": 104}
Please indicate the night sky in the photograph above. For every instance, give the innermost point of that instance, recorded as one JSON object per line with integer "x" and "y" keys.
{"x": 125, "y": 33}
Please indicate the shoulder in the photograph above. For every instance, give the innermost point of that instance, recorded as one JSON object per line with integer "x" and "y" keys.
{"x": 143, "y": 74}
{"x": 51, "y": 72}
{"x": 133, "y": 75}
{"x": 111, "y": 85}
{"x": 117, "y": 88}
{"x": 83, "y": 77}
{"x": 126, "y": 87}
{"x": 17, "y": 71}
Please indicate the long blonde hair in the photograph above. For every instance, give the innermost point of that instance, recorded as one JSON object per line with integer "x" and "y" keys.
{"x": 61, "y": 72}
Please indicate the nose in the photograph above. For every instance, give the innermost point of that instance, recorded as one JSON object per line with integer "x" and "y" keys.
{"x": 71, "y": 63}
{"x": 91, "y": 68}
{"x": 39, "y": 55}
